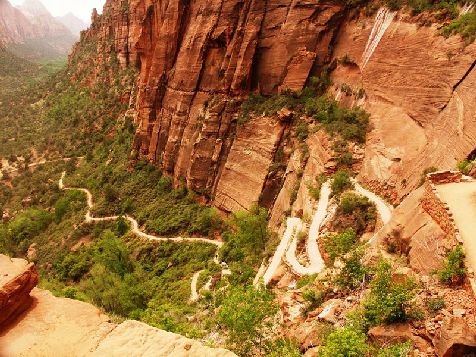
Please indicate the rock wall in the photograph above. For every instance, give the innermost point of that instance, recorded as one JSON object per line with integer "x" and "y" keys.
{"x": 418, "y": 91}
{"x": 435, "y": 207}
{"x": 198, "y": 59}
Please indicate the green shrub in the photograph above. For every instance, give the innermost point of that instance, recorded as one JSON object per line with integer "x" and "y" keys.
{"x": 338, "y": 245}
{"x": 453, "y": 271}
{"x": 353, "y": 273}
{"x": 464, "y": 25}
{"x": 435, "y": 304}
{"x": 356, "y": 212}
{"x": 283, "y": 348}
{"x": 397, "y": 350}
{"x": 302, "y": 131}
{"x": 341, "y": 182}
{"x": 345, "y": 342}
{"x": 246, "y": 314}
{"x": 247, "y": 236}
{"x": 389, "y": 301}
{"x": 465, "y": 166}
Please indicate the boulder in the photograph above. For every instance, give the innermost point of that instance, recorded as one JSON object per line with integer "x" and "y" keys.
{"x": 455, "y": 339}
{"x": 17, "y": 279}
{"x": 396, "y": 333}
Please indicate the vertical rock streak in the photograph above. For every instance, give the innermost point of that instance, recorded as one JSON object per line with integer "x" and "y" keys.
{"x": 383, "y": 20}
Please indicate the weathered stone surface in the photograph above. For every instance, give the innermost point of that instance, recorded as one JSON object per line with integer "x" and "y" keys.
{"x": 431, "y": 104}
{"x": 413, "y": 232}
{"x": 248, "y": 163}
{"x": 387, "y": 335}
{"x": 41, "y": 324}
{"x": 192, "y": 52}
{"x": 17, "y": 279}
{"x": 455, "y": 339}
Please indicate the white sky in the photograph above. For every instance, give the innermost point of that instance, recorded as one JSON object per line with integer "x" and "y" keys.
{"x": 81, "y": 8}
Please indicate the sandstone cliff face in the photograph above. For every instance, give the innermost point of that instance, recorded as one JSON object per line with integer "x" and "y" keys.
{"x": 51, "y": 326}
{"x": 198, "y": 59}
{"x": 419, "y": 94}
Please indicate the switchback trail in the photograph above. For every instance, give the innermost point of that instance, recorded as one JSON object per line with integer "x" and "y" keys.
{"x": 137, "y": 231}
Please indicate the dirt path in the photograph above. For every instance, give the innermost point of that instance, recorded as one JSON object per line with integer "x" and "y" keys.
{"x": 137, "y": 231}
{"x": 461, "y": 198}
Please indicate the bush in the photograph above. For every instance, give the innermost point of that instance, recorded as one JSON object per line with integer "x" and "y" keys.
{"x": 397, "y": 350}
{"x": 246, "y": 237}
{"x": 353, "y": 273}
{"x": 435, "y": 304}
{"x": 338, "y": 245}
{"x": 302, "y": 131}
{"x": 356, "y": 212}
{"x": 283, "y": 348}
{"x": 464, "y": 25}
{"x": 389, "y": 301}
{"x": 341, "y": 182}
{"x": 346, "y": 342}
{"x": 465, "y": 166}
{"x": 453, "y": 271}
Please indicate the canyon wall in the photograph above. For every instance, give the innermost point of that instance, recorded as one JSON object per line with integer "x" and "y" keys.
{"x": 199, "y": 59}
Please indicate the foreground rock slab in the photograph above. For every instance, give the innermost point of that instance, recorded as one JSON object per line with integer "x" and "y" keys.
{"x": 52, "y": 326}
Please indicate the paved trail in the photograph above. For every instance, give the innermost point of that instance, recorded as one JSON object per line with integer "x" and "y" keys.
{"x": 288, "y": 245}
{"x": 461, "y": 198}
{"x": 383, "y": 208}
{"x": 136, "y": 230}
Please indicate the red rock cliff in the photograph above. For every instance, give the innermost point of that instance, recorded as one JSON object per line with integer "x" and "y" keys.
{"x": 196, "y": 58}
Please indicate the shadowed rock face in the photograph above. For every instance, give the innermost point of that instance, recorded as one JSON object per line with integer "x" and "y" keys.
{"x": 197, "y": 59}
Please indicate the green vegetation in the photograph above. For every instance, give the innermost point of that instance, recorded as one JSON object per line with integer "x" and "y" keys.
{"x": 397, "y": 350}
{"x": 353, "y": 274}
{"x": 350, "y": 124}
{"x": 453, "y": 271}
{"x": 435, "y": 304}
{"x": 389, "y": 301}
{"x": 337, "y": 245}
{"x": 466, "y": 166}
{"x": 315, "y": 188}
{"x": 356, "y": 212}
{"x": 464, "y": 25}
{"x": 247, "y": 314}
{"x": 345, "y": 342}
{"x": 245, "y": 241}
{"x": 341, "y": 182}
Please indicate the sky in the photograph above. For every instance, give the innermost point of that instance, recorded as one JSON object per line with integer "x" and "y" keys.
{"x": 81, "y": 8}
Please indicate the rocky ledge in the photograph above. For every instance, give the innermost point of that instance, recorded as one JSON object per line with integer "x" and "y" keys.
{"x": 41, "y": 324}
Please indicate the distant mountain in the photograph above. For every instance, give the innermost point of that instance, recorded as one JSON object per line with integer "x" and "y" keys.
{"x": 14, "y": 25}
{"x": 30, "y": 31}
{"x": 73, "y": 23}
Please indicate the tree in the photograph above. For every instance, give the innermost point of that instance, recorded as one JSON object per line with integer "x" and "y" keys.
{"x": 247, "y": 314}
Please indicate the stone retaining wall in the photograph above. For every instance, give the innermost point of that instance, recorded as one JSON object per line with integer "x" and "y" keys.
{"x": 435, "y": 207}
